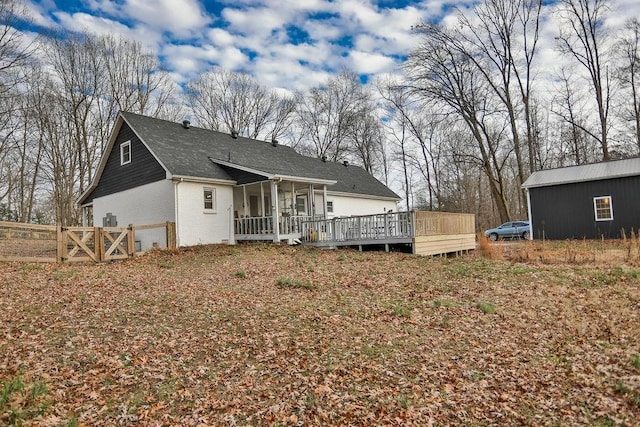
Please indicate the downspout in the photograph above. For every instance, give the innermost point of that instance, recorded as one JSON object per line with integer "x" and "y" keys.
{"x": 175, "y": 208}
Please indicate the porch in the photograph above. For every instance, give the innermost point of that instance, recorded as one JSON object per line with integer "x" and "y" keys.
{"x": 276, "y": 210}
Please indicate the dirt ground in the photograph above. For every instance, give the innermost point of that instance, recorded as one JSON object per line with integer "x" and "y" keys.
{"x": 511, "y": 334}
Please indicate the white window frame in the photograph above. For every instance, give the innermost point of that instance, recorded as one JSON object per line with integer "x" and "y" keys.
{"x": 596, "y": 210}
{"x": 211, "y": 190}
{"x": 329, "y": 206}
{"x": 124, "y": 145}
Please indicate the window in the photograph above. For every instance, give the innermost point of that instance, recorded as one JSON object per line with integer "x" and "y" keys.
{"x": 603, "y": 208}
{"x": 301, "y": 205}
{"x": 329, "y": 206}
{"x": 125, "y": 153}
{"x": 209, "y": 199}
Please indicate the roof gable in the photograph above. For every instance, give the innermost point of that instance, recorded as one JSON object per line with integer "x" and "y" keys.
{"x": 582, "y": 173}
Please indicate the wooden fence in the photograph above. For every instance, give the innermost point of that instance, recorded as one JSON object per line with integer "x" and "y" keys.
{"x": 50, "y": 243}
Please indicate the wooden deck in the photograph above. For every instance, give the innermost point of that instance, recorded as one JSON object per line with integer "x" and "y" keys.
{"x": 427, "y": 233}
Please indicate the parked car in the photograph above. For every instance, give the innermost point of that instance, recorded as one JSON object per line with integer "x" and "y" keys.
{"x": 509, "y": 230}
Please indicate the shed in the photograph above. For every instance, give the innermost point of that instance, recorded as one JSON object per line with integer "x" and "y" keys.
{"x": 598, "y": 200}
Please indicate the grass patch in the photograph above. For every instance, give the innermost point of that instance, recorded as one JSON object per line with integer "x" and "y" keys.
{"x": 240, "y": 273}
{"x": 285, "y": 282}
{"x": 486, "y": 307}
{"x": 635, "y": 361}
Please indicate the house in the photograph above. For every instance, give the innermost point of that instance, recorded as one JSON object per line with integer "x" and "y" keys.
{"x": 586, "y": 201}
{"x": 218, "y": 187}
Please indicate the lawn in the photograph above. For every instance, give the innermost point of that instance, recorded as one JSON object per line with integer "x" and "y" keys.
{"x": 278, "y": 335}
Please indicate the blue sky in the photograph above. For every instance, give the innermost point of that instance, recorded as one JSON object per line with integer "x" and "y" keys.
{"x": 285, "y": 44}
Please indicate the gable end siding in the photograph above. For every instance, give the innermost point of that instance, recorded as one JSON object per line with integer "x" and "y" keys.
{"x": 566, "y": 211}
{"x": 143, "y": 169}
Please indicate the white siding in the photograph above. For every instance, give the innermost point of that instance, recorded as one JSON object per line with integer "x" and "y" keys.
{"x": 195, "y": 225}
{"x": 148, "y": 204}
{"x": 353, "y": 205}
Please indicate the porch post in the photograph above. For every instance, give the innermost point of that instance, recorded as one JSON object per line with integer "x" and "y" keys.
{"x": 244, "y": 200}
{"x": 312, "y": 202}
{"x": 274, "y": 211}
{"x": 324, "y": 200}
{"x": 294, "y": 204}
{"x": 262, "y": 200}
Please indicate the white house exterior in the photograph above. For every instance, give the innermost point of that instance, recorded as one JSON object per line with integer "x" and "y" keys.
{"x": 220, "y": 188}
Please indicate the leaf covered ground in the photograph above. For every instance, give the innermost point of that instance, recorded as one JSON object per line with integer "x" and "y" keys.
{"x": 277, "y": 335}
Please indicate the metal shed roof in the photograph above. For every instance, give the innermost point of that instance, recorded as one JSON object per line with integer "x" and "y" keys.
{"x": 581, "y": 173}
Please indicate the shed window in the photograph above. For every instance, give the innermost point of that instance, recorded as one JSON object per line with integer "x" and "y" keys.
{"x": 603, "y": 208}
{"x": 209, "y": 199}
{"x": 125, "y": 153}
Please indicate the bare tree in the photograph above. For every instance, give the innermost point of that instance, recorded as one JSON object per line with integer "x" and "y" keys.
{"x": 328, "y": 113}
{"x": 235, "y": 102}
{"x": 582, "y": 37}
{"x": 421, "y": 124}
{"x": 440, "y": 72}
{"x": 628, "y": 49}
{"x": 366, "y": 141}
{"x": 501, "y": 39}
{"x": 132, "y": 80}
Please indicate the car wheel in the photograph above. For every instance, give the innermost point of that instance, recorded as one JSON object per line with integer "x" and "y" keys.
{"x": 525, "y": 235}
{"x": 493, "y": 236}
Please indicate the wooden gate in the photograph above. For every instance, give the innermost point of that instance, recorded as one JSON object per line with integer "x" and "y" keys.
{"x": 80, "y": 244}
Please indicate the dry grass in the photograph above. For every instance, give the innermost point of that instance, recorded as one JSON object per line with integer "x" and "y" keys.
{"x": 273, "y": 335}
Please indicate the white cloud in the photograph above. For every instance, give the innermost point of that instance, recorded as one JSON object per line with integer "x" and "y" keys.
{"x": 370, "y": 63}
{"x": 180, "y": 17}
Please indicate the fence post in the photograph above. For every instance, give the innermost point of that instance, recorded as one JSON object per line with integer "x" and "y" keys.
{"x": 98, "y": 243}
{"x": 171, "y": 235}
{"x": 131, "y": 241}
{"x": 60, "y": 244}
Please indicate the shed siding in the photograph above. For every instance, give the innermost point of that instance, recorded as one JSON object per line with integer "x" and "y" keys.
{"x": 143, "y": 169}
{"x": 566, "y": 211}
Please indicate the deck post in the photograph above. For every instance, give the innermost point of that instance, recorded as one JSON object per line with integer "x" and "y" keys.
{"x": 274, "y": 211}
{"x": 386, "y": 226}
{"x": 262, "y": 211}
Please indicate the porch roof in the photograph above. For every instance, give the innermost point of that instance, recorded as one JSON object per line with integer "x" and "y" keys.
{"x": 216, "y": 155}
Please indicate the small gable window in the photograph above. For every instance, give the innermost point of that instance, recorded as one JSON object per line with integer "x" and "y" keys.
{"x": 125, "y": 153}
{"x": 603, "y": 208}
{"x": 209, "y": 199}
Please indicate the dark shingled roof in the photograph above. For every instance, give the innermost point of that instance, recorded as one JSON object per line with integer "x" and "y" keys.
{"x": 194, "y": 151}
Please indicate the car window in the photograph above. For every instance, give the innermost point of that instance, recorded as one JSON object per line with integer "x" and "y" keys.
{"x": 505, "y": 225}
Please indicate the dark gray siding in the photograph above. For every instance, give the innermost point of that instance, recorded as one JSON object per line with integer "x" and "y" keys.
{"x": 143, "y": 169}
{"x": 566, "y": 211}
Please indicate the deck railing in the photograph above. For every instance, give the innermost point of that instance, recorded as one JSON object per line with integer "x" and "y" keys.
{"x": 388, "y": 226}
{"x": 364, "y": 227}
{"x": 256, "y": 226}
{"x": 428, "y": 223}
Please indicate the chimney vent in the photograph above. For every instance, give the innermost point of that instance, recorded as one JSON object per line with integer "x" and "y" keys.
{"x": 324, "y": 159}
{"x": 234, "y": 134}
{"x": 345, "y": 163}
{"x": 274, "y": 142}
{"x": 186, "y": 124}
